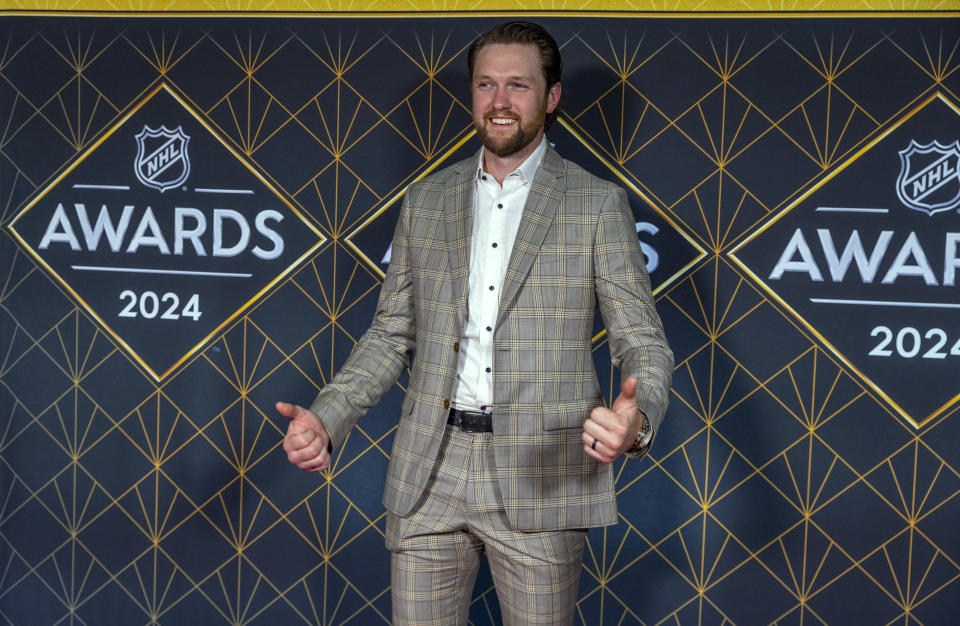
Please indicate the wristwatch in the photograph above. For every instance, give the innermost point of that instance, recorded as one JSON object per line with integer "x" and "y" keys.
{"x": 641, "y": 445}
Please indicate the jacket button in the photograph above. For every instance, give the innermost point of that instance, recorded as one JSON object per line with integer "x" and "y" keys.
{"x": 456, "y": 346}
{"x": 446, "y": 404}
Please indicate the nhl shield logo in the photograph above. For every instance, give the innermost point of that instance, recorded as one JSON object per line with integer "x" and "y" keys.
{"x": 929, "y": 178}
{"x": 162, "y": 161}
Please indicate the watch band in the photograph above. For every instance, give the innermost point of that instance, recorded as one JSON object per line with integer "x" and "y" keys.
{"x": 641, "y": 444}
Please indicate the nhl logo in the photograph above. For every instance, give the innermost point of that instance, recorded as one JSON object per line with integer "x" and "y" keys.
{"x": 929, "y": 178}
{"x": 162, "y": 161}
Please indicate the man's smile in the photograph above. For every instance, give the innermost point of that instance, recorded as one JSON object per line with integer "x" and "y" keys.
{"x": 502, "y": 121}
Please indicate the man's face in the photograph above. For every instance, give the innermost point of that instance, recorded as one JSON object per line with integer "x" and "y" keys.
{"x": 510, "y": 98}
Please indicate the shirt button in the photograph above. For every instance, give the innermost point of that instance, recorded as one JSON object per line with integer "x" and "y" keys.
{"x": 456, "y": 346}
{"x": 483, "y": 178}
{"x": 488, "y": 370}
{"x": 494, "y": 245}
{"x": 489, "y": 329}
{"x": 499, "y": 206}
{"x": 491, "y": 287}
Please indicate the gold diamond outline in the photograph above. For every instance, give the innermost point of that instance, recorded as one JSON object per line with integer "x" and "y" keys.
{"x": 158, "y": 377}
{"x": 917, "y": 424}
{"x": 630, "y": 185}
{"x": 348, "y": 239}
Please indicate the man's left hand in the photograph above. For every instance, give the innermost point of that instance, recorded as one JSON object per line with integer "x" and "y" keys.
{"x": 615, "y": 429}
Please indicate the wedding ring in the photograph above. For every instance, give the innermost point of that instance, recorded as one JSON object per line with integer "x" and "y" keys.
{"x": 594, "y": 445}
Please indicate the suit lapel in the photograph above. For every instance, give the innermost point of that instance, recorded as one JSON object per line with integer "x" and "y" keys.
{"x": 458, "y": 225}
{"x": 546, "y": 193}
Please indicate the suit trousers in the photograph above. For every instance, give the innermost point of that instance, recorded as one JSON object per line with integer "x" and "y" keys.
{"x": 436, "y": 550}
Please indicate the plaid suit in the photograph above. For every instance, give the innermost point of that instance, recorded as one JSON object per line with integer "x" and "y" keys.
{"x": 576, "y": 249}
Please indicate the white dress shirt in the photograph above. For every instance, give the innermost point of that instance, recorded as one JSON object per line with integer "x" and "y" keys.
{"x": 496, "y": 217}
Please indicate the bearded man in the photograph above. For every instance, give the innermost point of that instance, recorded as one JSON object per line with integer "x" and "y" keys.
{"x": 504, "y": 445}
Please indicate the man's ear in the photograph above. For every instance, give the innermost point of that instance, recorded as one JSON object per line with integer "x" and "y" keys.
{"x": 553, "y": 97}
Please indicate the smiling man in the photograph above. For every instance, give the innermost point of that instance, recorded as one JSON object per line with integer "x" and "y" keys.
{"x": 504, "y": 446}
{"x": 511, "y": 101}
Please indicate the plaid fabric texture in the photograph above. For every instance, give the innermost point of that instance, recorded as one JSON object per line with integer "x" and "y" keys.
{"x": 437, "y": 549}
{"x": 576, "y": 251}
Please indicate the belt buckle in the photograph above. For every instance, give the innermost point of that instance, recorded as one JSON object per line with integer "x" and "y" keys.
{"x": 474, "y": 422}
{"x": 471, "y": 421}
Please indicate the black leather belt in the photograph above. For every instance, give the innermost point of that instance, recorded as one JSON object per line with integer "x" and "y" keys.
{"x": 471, "y": 421}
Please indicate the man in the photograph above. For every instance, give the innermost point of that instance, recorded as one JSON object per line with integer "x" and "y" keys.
{"x": 504, "y": 445}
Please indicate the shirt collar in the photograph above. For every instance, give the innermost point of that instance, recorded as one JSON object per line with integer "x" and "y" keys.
{"x": 527, "y": 169}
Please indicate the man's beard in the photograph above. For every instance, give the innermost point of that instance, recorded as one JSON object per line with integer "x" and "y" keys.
{"x": 520, "y": 139}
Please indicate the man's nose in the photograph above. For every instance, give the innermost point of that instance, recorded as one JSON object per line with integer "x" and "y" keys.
{"x": 500, "y": 99}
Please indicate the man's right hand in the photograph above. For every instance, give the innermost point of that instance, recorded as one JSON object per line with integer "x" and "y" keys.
{"x": 307, "y": 442}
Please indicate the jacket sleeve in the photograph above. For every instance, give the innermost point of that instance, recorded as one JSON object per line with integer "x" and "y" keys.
{"x": 637, "y": 342}
{"x": 381, "y": 353}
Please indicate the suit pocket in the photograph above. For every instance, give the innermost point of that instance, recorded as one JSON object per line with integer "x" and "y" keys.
{"x": 408, "y": 406}
{"x": 559, "y": 415}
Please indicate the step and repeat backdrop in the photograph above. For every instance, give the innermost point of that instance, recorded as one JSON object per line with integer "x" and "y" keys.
{"x": 195, "y": 219}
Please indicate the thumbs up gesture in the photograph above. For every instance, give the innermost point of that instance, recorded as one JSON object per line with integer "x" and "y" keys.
{"x": 608, "y": 433}
{"x": 307, "y": 443}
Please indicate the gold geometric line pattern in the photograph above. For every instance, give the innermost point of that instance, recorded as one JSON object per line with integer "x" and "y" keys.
{"x": 699, "y": 455}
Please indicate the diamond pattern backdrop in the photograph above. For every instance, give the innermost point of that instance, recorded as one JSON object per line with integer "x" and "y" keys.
{"x": 782, "y": 488}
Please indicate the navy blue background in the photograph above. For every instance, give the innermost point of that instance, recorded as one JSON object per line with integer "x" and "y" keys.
{"x": 781, "y": 488}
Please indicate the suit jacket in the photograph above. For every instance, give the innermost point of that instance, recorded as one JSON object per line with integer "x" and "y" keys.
{"x": 576, "y": 250}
